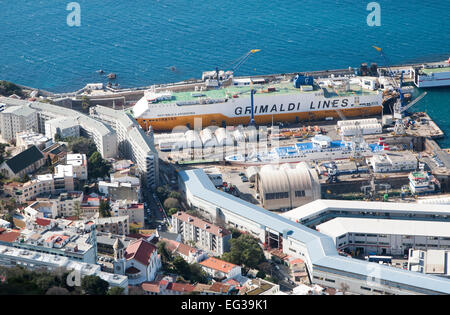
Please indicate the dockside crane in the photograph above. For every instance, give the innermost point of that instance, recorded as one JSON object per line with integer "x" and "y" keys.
{"x": 236, "y": 64}
{"x": 399, "y": 107}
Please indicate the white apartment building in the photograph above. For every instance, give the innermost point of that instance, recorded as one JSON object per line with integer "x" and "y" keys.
{"x": 26, "y": 139}
{"x": 79, "y": 165}
{"x": 133, "y": 142}
{"x": 10, "y": 256}
{"x": 205, "y": 235}
{"x": 386, "y": 236}
{"x": 63, "y": 126}
{"x": 218, "y": 268}
{"x": 103, "y": 135}
{"x": 16, "y": 119}
{"x": 135, "y": 211}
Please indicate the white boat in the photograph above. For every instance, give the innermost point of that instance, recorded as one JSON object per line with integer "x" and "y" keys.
{"x": 319, "y": 148}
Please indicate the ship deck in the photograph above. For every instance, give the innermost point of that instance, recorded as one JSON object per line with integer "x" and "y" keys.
{"x": 281, "y": 88}
{"x": 435, "y": 70}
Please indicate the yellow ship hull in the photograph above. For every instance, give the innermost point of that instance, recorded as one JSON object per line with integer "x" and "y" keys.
{"x": 169, "y": 123}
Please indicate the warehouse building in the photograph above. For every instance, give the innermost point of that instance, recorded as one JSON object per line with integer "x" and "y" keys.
{"x": 385, "y": 236}
{"x": 323, "y": 263}
{"x": 287, "y": 187}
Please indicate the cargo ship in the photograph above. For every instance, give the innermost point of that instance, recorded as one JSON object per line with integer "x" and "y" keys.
{"x": 218, "y": 99}
{"x": 320, "y": 148}
{"x": 432, "y": 75}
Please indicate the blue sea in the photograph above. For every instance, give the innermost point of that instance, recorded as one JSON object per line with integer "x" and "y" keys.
{"x": 148, "y": 41}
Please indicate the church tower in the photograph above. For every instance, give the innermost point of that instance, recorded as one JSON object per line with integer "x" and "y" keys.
{"x": 119, "y": 259}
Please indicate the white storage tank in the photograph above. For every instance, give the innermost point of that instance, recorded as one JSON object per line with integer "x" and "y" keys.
{"x": 223, "y": 137}
{"x": 208, "y": 138}
{"x": 193, "y": 139}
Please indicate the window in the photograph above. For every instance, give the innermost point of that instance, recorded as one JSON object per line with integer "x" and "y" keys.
{"x": 300, "y": 193}
{"x": 365, "y": 288}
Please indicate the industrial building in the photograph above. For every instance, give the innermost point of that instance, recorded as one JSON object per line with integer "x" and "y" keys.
{"x": 323, "y": 263}
{"x": 385, "y": 236}
{"x": 393, "y": 162}
{"x": 288, "y": 186}
{"x": 323, "y": 210}
{"x": 432, "y": 261}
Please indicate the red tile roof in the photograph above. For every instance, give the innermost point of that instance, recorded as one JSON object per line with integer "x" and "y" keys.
{"x": 9, "y": 237}
{"x": 217, "y": 264}
{"x": 201, "y": 224}
{"x": 140, "y": 250}
{"x": 42, "y": 222}
{"x": 150, "y": 286}
{"x": 220, "y": 287}
{"x": 2, "y": 230}
{"x": 180, "y": 287}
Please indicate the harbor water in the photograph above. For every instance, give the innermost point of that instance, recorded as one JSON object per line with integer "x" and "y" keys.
{"x": 158, "y": 41}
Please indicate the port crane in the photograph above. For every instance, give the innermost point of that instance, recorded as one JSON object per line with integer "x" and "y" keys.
{"x": 399, "y": 107}
{"x": 236, "y": 64}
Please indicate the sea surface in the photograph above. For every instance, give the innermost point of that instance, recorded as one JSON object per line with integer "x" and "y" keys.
{"x": 151, "y": 41}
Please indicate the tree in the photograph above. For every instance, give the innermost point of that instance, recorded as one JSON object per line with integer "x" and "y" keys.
{"x": 94, "y": 285}
{"x": 25, "y": 178}
{"x": 115, "y": 291}
{"x": 171, "y": 203}
{"x": 166, "y": 257}
{"x": 172, "y": 211}
{"x": 104, "y": 209}
{"x": 85, "y": 102}
{"x": 57, "y": 291}
{"x": 181, "y": 266}
{"x": 261, "y": 274}
{"x": 8, "y": 89}
{"x": 175, "y": 195}
{"x": 97, "y": 166}
{"x": 81, "y": 145}
{"x": 77, "y": 209}
{"x": 162, "y": 192}
{"x": 245, "y": 250}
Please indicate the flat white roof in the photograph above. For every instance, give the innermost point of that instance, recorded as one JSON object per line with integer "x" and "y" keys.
{"x": 340, "y": 226}
{"x": 319, "y": 206}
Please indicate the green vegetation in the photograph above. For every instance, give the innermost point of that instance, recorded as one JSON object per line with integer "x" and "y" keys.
{"x": 172, "y": 211}
{"x": 81, "y": 145}
{"x": 170, "y": 203}
{"x": 8, "y": 89}
{"x": 104, "y": 209}
{"x": 245, "y": 250}
{"x": 3, "y": 154}
{"x": 115, "y": 291}
{"x": 94, "y": 285}
{"x": 176, "y": 264}
{"x": 20, "y": 281}
{"x": 85, "y": 104}
{"x": 97, "y": 166}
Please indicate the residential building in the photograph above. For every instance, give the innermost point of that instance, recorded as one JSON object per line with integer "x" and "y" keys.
{"x": 16, "y": 119}
{"x": 133, "y": 142}
{"x": 259, "y": 287}
{"x": 26, "y": 139}
{"x": 65, "y": 127}
{"x": 218, "y": 268}
{"x": 120, "y": 190}
{"x": 115, "y": 225}
{"x": 203, "y": 234}
{"x": 75, "y": 164}
{"x": 35, "y": 260}
{"x": 190, "y": 254}
{"x": 103, "y": 136}
{"x": 135, "y": 211}
{"x": 72, "y": 239}
{"x": 26, "y": 162}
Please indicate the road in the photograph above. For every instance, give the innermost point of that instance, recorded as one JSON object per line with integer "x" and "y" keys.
{"x": 154, "y": 212}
